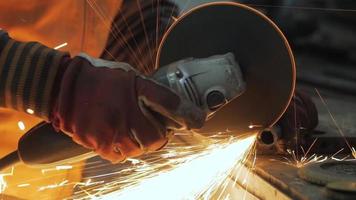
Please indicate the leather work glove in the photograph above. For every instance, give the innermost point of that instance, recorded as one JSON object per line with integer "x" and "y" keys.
{"x": 115, "y": 111}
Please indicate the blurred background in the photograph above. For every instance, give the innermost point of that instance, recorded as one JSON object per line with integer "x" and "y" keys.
{"x": 322, "y": 34}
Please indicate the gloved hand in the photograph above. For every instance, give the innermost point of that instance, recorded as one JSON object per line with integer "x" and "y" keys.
{"x": 112, "y": 109}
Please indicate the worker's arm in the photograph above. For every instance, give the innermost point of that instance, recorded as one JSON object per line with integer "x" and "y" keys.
{"x": 105, "y": 106}
{"x": 28, "y": 73}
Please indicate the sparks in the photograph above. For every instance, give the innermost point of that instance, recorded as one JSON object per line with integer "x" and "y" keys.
{"x": 252, "y": 126}
{"x": 189, "y": 180}
{"x": 21, "y": 125}
{"x": 198, "y": 169}
{"x": 57, "y": 168}
{"x": 61, "y": 46}
{"x": 64, "y": 167}
{"x": 30, "y": 111}
{"x": 57, "y": 185}
{"x": 88, "y": 183}
{"x": 3, "y": 184}
{"x": 304, "y": 160}
{"x": 23, "y": 185}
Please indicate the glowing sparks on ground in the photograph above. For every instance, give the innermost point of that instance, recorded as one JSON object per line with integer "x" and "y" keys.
{"x": 61, "y": 46}
{"x": 61, "y": 184}
{"x": 314, "y": 158}
{"x": 353, "y": 152}
{"x": 3, "y": 184}
{"x": 88, "y": 183}
{"x": 133, "y": 161}
{"x": 304, "y": 160}
{"x": 191, "y": 178}
{"x": 21, "y": 125}
{"x": 24, "y": 185}
{"x": 64, "y": 167}
{"x": 57, "y": 168}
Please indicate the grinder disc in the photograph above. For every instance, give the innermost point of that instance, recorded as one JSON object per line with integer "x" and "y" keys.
{"x": 261, "y": 50}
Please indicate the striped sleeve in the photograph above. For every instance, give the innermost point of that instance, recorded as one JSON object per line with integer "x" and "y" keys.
{"x": 28, "y": 74}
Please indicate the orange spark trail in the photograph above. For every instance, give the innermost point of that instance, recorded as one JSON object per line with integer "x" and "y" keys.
{"x": 189, "y": 180}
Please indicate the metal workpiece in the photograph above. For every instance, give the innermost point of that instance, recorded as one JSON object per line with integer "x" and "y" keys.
{"x": 344, "y": 190}
{"x": 342, "y": 186}
{"x": 269, "y": 137}
{"x": 328, "y": 172}
{"x": 338, "y": 177}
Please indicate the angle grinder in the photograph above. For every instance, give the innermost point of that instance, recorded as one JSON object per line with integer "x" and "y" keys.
{"x": 245, "y": 83}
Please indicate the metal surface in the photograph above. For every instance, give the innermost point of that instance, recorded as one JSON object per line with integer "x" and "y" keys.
{"x": 341, "y": 190}
{"x": 342, "y": 186}
{"x": 327, "y": 172}
{"x": 283, "y": 177}
{"x": 269, "y": 137}
{"x": 260, "y": 186}
{"x": 260, "y": 49}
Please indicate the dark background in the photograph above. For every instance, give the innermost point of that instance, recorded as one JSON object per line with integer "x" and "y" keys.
{"x": 322, "y": 34}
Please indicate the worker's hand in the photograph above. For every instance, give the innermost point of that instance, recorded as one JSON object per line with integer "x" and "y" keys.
{"x": 110, "y": 108}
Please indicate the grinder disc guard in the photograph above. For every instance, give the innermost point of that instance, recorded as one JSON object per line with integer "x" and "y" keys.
{"x": 261, "y": 50}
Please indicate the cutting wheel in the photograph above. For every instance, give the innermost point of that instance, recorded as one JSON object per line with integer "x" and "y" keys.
{"x": 260, "y": 48}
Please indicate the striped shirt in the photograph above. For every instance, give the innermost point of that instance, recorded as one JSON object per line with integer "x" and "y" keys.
{"x": 28, "y": 73}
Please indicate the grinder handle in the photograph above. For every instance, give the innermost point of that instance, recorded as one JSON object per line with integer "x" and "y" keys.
{"x": 43, "y": 145}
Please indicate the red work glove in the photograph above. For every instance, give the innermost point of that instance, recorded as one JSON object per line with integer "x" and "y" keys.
{"x": 300, "y": 118}
{"x": 114, "y": 111}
